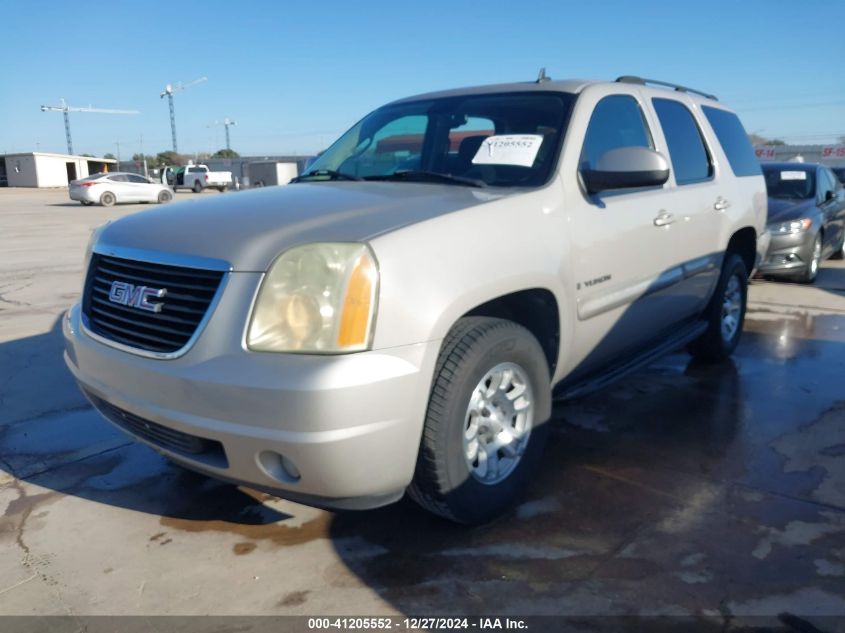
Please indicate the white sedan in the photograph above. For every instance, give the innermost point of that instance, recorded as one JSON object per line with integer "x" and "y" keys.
{"x": 108, "y": 189}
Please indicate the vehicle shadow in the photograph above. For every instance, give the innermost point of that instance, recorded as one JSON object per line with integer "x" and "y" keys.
{"x": 51, "y": 437}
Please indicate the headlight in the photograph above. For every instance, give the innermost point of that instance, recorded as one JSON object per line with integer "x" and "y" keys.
{"x": 793, "y": 226}
{"x": 318, "y": 298}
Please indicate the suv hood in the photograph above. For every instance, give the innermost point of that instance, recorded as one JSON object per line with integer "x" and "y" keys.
{"x": 781, "y": 210}
{"x": 249, "y": 229}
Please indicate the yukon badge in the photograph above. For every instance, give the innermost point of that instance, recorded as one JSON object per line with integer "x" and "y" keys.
{"x": 133, "y": 296}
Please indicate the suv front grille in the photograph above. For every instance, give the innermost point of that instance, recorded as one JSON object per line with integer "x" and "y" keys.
{"x": 189, "y": 293}
{"x": 199, "y": 448}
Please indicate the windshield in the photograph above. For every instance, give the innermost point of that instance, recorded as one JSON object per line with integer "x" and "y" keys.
{"x": 840, "y": 173}
{"x": 790, "y": 183}
{"x": 503, "y": 140}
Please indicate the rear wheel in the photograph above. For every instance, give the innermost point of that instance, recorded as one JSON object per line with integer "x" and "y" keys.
{"x": 164, "y": 196}
{"x": 222, "y": 189}
{"x": 486, "y": 423}
{"x": 197, "y": 186}
{"x": 725, "y": 314}
{"x": 107, "y": 199}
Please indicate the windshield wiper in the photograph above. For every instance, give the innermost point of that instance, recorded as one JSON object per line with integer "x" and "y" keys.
{"x": 429, "y": 176}
{"x": 330, "y": 174}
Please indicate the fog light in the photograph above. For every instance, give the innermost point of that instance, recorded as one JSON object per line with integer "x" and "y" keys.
{"x": 279, "y": 467}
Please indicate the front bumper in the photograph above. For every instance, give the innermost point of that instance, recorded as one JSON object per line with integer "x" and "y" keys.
{"x": 349, "y": 424}
{"x": 788, "y": 254}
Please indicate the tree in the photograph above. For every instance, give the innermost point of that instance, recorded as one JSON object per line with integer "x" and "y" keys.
{"x": 756, "y": 139}
{"x": 109, "y": 155}
{"x": 169, "y": 158}
{"x": 225, "y": 153}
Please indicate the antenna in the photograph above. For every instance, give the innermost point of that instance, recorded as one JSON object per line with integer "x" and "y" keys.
{"x": 541, "y": 77}
{"x": 168, "y": 91}
{"x": 227, "y": 123}
{"x": 64, "y": 108}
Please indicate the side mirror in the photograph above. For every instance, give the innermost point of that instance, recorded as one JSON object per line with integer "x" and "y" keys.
{"x": 627, "y": 167}
{"x": 828, "y": 195}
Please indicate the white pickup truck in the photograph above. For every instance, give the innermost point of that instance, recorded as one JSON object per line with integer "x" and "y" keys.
{"x": 196, "y": 177}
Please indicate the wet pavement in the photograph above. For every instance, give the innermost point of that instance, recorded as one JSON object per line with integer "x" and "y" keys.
{"x": 683, "y": 490}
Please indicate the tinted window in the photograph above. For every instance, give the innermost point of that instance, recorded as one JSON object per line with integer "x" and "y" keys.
{"x": 197, "y": 170}
{"x": 840, "y": 173}
{"x": 734, "y": 141}
{"x": 686, "y": 147}
{"x": 134, "y": 178}
{"x": 118, "y": 178}
{"x": 617, "y": 121}
{"x": 790, "y": 183}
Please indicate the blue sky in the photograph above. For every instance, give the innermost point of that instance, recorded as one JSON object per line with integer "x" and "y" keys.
{"x": 295, "y": 75}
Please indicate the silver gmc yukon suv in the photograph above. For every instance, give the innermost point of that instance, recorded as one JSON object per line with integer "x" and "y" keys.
{"x": 398, "y": 318}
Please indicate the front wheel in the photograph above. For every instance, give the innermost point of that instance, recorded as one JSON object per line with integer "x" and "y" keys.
{"x": 812, "y": 271}
{"x": 486, "y": 423}
{"x": 725, "y": 314}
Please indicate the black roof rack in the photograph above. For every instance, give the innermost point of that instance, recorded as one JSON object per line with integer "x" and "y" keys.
{"x": 631, "y": 79}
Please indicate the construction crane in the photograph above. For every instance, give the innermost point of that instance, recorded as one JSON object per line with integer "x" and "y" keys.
{"x": 169, "y": 89}
{"x": 227, "y": 123}
{"x": 64, "y": 108}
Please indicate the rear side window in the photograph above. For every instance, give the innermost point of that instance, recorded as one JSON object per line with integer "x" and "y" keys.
{"x": 617, "y": 121}
{"x": 138, "y": 179}
{"x": 690, "y": 159}
{"x": 734, "y": 141}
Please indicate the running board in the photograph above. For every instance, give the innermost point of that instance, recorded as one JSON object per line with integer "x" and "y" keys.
{"x": 681, "y": 338}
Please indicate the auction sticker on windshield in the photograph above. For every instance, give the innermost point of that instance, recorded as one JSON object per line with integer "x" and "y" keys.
{"x": 509, "y": 149}
{"x": 793, "y": 175}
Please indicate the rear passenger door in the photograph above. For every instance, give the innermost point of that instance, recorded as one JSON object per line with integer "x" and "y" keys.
{"x": 695, "y": 202}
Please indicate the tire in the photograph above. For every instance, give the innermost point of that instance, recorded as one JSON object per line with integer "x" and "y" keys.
{"x": 840, "y": 253}
{"x": 729, "y": 300}
{"x": 812, "y": 271}
{"x": 446, "y": 481}
{"x": 197, "y": 188}
{"x": 221, "y": 189}
{"x": 164, "y": 197}
{"x": 107, "y": 199}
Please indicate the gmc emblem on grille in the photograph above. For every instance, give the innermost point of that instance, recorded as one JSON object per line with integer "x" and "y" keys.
{"x": 133, "y": 296}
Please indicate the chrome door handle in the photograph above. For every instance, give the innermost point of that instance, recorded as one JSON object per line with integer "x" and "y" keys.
{"x": 721, "y": 204}
{"x": 664, "y": 218}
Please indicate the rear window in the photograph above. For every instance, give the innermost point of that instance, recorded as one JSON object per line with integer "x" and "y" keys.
{"x": 686, "y": 147}
{"x": 197, "y": 170}
{"x": 734, "y": 141}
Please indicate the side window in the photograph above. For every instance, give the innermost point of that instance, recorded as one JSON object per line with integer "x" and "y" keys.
{"x": 118, "y": 178}
{"x": 826, "y": 183}
{"x": 138, "y": 179}
{"x": 689, "y": 156}
{"x": 396, "y": 146}
{"x": 734, "y": 141}
{"x": 617, "y": 121}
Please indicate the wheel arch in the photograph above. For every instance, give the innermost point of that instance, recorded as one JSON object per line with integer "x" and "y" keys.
{"x": 535, "y": 309}
{"x": 744, "y": 243}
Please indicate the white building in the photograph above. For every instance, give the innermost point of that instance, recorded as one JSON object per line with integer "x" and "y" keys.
{"x": 41, "y": 169}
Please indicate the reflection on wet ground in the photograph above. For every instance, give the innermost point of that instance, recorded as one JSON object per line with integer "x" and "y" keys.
{"x": 685, "y": 489}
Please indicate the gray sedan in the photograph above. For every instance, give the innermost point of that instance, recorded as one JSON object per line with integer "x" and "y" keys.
{"x": 110, "y": 188}
{"x": 806, "y": 219}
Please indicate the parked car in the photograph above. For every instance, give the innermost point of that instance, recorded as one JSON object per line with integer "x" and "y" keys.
{"x": 397, "y": 319}
{"x": 806, "y": 219}
{"x": 839, "y": 172}
{"x": 196, "y": 178}
{"x": 116, "y": 187}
